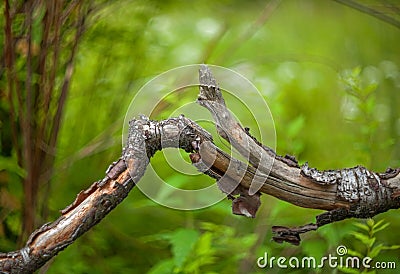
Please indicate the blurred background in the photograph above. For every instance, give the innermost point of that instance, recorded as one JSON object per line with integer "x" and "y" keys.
{"x": 329, "y": 73}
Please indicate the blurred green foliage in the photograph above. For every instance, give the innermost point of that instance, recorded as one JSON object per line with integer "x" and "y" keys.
{"x": 372, "y": 248}
{"x": 331, "y": 78}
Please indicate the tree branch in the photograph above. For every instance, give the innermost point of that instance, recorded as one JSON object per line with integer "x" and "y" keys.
{"x": 346, "y": 193}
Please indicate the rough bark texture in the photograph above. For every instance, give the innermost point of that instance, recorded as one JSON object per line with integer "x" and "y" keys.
{"x": 347, "y": 193}
{"x": 355, "y": 192}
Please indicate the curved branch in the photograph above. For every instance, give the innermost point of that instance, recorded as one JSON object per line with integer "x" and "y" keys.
{"x": 346, "y": 193}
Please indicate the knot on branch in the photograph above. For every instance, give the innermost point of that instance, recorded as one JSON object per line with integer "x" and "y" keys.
{"x": 152, "y": 136}
{"x": 363, "y": 189}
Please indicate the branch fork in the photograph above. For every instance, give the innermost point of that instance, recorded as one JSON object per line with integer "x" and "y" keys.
{"x": 347, "y": 193}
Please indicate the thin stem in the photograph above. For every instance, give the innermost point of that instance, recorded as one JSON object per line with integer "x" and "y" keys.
{"x": 373, "y": 12}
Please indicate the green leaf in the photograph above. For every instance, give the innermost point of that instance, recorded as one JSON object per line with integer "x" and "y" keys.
{"x": 203, "y": 245}
{"x": 370, "y": 222}
{"x": 363, "y": 238}
{"x": 362, "y": 226}
{"x": 348, "y": 270}
{"x": 193, "y": 266}
{"x": 370, "y": 88}
{"x": 182, "y": 241}
{"x": 369, "y": 272}
{"x": 203, "y": 254}
{"x": 163, "y": 267}
{"x": 372, "y": 241}
{"x": 354, "y": 253}
{"x": 377, "y": 249}
{"x": 380, "y": 228}
{"x": 369, "y": 105}
{"x": 11, "y": 165}
{"x": 377, "y": 228}
{"x": 377, "y": 224}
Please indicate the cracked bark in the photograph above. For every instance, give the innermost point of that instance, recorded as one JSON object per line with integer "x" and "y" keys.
{"x": 354, "y": 192}
{"x": 347, "y": 193}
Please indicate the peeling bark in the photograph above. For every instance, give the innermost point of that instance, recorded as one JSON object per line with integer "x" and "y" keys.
{"x": 347, "y": 193}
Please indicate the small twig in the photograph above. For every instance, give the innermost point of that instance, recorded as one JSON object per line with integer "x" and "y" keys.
{"x": 373, "y": 12}
{"x": 291, "y": 235}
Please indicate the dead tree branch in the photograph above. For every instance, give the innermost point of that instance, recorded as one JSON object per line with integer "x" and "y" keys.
{"x": 347, "y": 193}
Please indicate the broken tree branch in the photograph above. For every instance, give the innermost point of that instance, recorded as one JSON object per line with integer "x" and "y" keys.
{"x": 93, "y": 204}
{"x": 355, "y": 192}
{"x": 347, "y": 193}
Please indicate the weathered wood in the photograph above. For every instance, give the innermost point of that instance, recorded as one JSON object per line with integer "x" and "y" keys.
{"x": 351, "y": 192}
{"x": 355, "y": 192}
